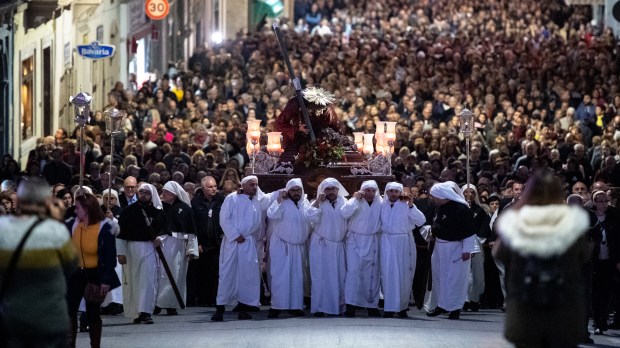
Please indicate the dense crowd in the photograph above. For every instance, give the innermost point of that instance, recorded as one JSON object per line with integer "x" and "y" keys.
{"x": 541, "y": 81}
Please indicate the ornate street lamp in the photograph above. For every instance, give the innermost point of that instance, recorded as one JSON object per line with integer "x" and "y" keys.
{"x": 81, "y": 106}
{"x": 113, "y": 127}
{"x": 466, "y": 121}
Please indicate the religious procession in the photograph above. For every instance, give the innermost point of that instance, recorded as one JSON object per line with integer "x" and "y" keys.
{"x": 356, "y": 160}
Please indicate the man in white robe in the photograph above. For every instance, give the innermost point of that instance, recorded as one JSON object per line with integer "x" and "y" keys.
{"x": 326, "y": 252}
{"x": 179, "y": 246}
{"x": 239, "y": 280}
{"x": 287, "y": 249}
{"x": 482, "y": 230}
{"x": 454, "y": 232}
{"x": 113, "y": 303}
{"x": 399, "y": 216}
{"x": 362, "y": 281}
{"x": 135, "y": 248}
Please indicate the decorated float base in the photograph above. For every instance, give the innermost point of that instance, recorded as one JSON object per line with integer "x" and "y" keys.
{"x": 274, "y": 172}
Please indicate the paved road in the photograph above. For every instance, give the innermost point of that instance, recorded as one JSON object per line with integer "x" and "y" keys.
{"x": 193, "y": 328}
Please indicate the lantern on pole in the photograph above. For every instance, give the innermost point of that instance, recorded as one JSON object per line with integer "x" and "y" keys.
{"x": 81, "y": 107}
{"x": 113, "y": 127}
{"x": 466, "y": 122}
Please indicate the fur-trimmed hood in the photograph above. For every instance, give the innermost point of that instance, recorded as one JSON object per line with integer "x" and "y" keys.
{"x": 542, "y": 231}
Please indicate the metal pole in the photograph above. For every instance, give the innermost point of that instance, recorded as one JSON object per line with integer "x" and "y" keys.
{"x": 467, "y": 152}
{"x": 81, "y": 156}
{"x": 110, "y": 169}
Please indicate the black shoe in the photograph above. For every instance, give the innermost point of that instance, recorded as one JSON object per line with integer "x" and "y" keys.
{"x": 245, "y": 308}
{"x": 156, "y": 311}
{"x": 297, "y": 313}
{"x": 243, "y": 316}
{"x": 143, "y": 318}
{"x": 588, "y": 341}
{"x": 219, "y": 314}
{"x": 598, "y": 331}
{"x": 319, "y": 314}
{"x": 373, "y": 312}
{"x": 350, "y": 312}
{"x": 474, "y": 306}
{"x": 454, "y": 315}
{"x": 614, "y": 325}
{"x": 403, "y": 314}
{"x": 273, "y": 313}
{"x": 115, "y": 308}
{"x": 437, "y": 311}
{"x": 388, "y": 314}
{"x": 171, "y": 311}
{"x": 466, "y": 307}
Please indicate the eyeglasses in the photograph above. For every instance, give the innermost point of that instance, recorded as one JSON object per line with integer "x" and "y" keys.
{"x": 130, "y": 187}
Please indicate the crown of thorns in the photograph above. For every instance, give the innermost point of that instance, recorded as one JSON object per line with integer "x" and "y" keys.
{"x": 318, "y": 96}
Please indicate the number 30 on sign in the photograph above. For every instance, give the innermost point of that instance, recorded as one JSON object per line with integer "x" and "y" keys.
{"x": 157, "y": 9}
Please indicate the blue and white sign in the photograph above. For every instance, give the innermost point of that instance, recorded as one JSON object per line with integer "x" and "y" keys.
{"x": 95, "y": 50}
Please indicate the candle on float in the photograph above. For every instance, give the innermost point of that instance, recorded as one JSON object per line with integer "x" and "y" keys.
{"x": 368, "y": 148}
{"x": 390, "y": 132}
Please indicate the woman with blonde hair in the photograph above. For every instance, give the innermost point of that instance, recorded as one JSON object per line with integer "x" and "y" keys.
{"x": 232, "y": 175}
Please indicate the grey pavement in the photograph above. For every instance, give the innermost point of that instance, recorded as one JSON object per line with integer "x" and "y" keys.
{"x": 193, "y": 328}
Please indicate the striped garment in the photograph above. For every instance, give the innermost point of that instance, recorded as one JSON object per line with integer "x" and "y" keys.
{"x": 35, "y": 302}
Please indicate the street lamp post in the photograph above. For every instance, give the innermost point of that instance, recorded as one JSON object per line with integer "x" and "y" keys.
{"x": 466, "y": 128}
{"x": 113, "y": 127}
{"x": 81, "y": 106}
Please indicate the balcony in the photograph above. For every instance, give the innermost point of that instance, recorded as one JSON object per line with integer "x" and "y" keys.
{"x": 41, "y": 11}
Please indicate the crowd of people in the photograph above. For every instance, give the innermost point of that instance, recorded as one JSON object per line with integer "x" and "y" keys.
{"x": 540, "y": 79}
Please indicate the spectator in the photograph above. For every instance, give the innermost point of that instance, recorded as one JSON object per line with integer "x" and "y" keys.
{"x": 37, "y": 283}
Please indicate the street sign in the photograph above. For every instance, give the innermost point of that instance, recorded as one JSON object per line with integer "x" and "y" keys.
{"x": 95, "y": 50}
{"x": 157, "y": 9}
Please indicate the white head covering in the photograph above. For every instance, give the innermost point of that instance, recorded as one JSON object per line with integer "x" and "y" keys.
{"x": 84, "y": 189}
{"x": 114, "y": 193}
{"x": 470, "y": 186}
{"x": 176, "y": 189}
{"x": 392, "y": 186}
{"x": 331, "y": 182}
{"x": 154, "y": 195}
{"x": 448, "y": 190}
{"x": 294, "y": 183}
{"x": 372, "y": 185}
{"x": 248, "y": 178}
{"x": 259, "y": 192}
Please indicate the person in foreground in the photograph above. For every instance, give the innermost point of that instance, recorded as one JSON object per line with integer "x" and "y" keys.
{"x": 38, "y": 284}
{"x": 544, "y": 247}
{"x": 94, "y": 238}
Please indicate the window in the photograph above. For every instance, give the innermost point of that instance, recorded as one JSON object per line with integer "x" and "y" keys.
{"x": 27, "y": 97}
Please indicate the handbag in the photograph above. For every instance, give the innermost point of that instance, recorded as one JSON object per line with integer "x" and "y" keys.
{"x": 92, "y": 293}
{"x": 8, "y": 274}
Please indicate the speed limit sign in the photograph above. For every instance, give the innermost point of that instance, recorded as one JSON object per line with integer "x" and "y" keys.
{"x": 157, "y": 9}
